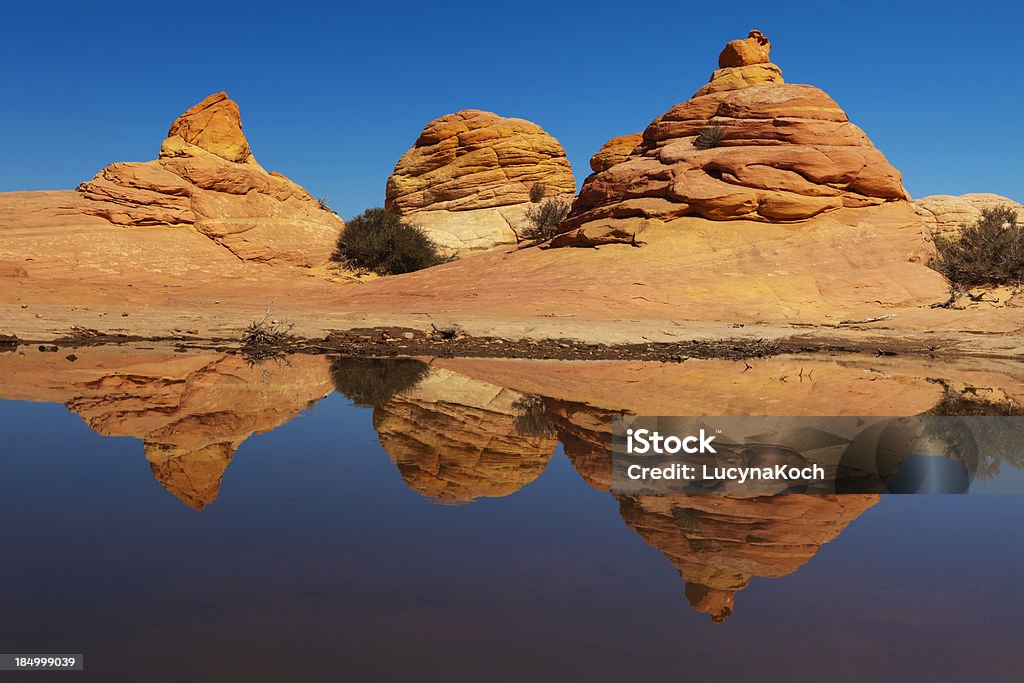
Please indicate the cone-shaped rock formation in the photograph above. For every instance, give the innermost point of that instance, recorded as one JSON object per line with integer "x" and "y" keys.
{"x": 746, "y": 146}
{"x": 207, "y": 178}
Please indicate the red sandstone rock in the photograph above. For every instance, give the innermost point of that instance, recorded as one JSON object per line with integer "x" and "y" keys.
{"x": 748, "y": 147}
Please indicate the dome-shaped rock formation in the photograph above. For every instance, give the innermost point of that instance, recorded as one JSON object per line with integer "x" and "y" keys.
{"x": 945, "y": 214}
{"x": 207, "y": 178}
{"x": 615, "y": 151}
{"x": 745, "y": 147}
{"x": 467, "y": 179}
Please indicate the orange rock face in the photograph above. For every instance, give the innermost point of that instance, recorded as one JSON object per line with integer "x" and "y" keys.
{"x": 215, "y": 125}
{"x": 476, "y": 161}
{"x": 754, "y": 49}
{"x": 207, "y": 178}
{"x": 614, "y": 151}
{"x": 747, "y": 146}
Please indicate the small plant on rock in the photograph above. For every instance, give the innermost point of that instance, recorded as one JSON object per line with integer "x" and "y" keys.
{"x": 543, "y": 220}
{"x": 709, "y": 136}
{"x": 378, "y": 240}
{"x": 990, "y": 252}
{"x": 537, "y": 192}
{"x": 324, "y": 206}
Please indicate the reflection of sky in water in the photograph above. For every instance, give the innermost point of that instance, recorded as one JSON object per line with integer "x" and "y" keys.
{"x": 317, "y": 562}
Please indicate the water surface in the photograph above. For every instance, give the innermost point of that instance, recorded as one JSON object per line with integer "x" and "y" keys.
{"x": 193, "y": 517}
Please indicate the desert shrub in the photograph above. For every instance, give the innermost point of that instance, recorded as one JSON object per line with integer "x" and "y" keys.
{"x": 709, "y": 136}
{"x": 990, "y": 252}
{"x": 324, "y": 206}
{"x": 373, "y": 381}
{"x": 379, "y": 241}
{"x": 531, "y": 417}
{"x": 542, "y": 220}
{"x": 266, "y": 338}
{"x": 537, "y": 192}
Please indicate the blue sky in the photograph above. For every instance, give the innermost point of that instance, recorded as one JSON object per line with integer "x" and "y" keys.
{"x": 332, "y": 94}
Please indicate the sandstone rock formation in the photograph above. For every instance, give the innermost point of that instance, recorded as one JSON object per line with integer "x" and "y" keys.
{"x": 614, "y": 151}
{"x": 746, "y": 146}
{"x": 718, "y": 543}
{"x": 467, "y": 178}
{"x": 206, "y": 178}
{"x": 945, "y": 214}
{"x": 456, "y": 439}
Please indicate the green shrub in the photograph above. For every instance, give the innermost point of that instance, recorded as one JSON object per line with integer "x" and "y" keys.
{"x": 379, "y": 241}
{"x": 709, "y": 136}
{"x": 373, "y": 381}
{"x": 990, "y": 252}
{"x": 543, "y": 220}
{"x": 537, "y": 192}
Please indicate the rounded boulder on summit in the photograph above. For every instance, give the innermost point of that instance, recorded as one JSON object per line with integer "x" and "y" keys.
{"x": 467, "y": 180}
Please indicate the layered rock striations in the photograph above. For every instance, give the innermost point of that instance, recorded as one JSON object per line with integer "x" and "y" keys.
{"x": 746, "y": 146}
{"x": 467, "y": 179}
{"x": 206, "y": 178}
{"x": 456, "y": 439}
{"x": 945, "y": 215}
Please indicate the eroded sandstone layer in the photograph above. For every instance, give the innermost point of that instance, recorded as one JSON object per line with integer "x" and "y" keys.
{"x": 467, "y": 179}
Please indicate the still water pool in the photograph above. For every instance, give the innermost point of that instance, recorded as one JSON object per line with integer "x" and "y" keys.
{"x": 191, "y": 517}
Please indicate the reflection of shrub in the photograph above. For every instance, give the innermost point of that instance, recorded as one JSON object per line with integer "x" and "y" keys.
{"x": 709, "y": 136}
{"x": 531, "y": 417}
{"x": 990, "y": 252}
{"x": 378, "y": 240}
{"x": 373, "y": 381}
{"x": 543, "y": 220}
{"x": 537, "y": 192}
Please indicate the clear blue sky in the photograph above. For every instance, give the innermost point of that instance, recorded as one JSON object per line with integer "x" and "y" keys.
{"x": 332, "y": 94}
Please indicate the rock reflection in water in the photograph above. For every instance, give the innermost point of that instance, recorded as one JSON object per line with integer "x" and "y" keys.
{"x": 459, "y": 429}
{"x": 192, "y": 411}
{"x": 453, "y": 438}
